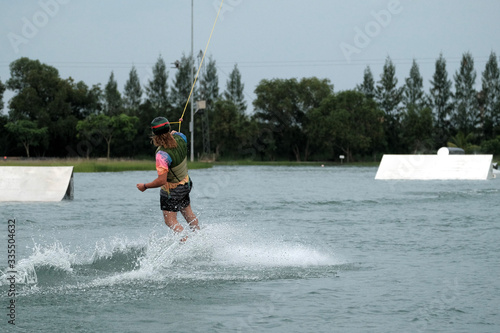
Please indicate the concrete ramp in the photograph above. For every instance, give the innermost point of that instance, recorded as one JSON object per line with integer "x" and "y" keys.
{"x": 441, "y": 166}
{"x": 36, "y": 183}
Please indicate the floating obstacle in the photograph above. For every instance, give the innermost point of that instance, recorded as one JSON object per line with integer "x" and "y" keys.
{"x": 19, "y": 183}
{"x": 447, "y": 164}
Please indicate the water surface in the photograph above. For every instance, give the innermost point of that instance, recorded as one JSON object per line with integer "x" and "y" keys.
{"x": 282, "y": 249}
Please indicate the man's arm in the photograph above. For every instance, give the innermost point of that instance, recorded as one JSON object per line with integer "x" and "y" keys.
{"x": 158, "y": 182}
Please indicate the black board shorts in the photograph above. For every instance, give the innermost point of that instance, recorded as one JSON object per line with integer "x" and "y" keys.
{"x": 177, "y": 199}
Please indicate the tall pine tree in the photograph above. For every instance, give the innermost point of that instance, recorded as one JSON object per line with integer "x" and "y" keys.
{"x": 368, "y": 85}
{"x": 387, "y": 93}
{"x": 209, "y": 92}
{"x": 465, "y": 117}
{"x": 182, "y": 86}
{"x": 491, "y": 98}
{"x": 2, "y": 89}
{"x": 4, "y": 143}
{"x": 209, "y": 83}
{"x": 414, "y": 95}
{"x": 388, "y": 97}
{"x": 132, "y": 95}
{"x": 112, "y": 97}
{"x": 416, "y": 120}
{"x": 234, "y": 90}
{"x": 440, "y": 101}
{"x": 157, "y": 89}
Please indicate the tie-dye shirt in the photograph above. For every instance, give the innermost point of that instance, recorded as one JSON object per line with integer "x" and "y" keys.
{"x": 163, "y": 159}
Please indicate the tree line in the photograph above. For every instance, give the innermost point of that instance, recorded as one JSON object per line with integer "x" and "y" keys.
{"x": 293, "y": 119}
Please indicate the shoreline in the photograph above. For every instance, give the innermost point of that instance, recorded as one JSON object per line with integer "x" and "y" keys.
{"x": 120, "y": 164}
{"x": 93, "y": 165}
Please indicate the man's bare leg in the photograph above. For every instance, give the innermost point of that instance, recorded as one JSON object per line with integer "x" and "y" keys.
{"x": 190, "y": 218}
{"x": 172, "y": 223}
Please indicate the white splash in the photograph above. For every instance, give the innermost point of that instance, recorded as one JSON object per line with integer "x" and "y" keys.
{"x": 54, "y": 256}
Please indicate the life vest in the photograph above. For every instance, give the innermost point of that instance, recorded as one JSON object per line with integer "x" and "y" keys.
{"x": 178, "y": 169}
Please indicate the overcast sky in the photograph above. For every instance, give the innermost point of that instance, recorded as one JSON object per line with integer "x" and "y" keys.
{"x": 333, "y": 39}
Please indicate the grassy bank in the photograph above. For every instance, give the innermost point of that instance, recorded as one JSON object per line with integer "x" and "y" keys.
{"x": 293, "y": 163}
{"x": 98, "y": 165}
{"x": 118, "y": 165}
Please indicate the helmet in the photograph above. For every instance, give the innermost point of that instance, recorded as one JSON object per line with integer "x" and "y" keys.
{"x": 160, "y": 125}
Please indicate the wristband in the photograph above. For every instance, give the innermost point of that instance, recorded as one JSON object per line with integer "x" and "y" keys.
{"x": 145, "y": 187}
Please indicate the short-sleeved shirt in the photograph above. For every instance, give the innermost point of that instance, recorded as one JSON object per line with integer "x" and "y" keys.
{"x": 163, "y": 159}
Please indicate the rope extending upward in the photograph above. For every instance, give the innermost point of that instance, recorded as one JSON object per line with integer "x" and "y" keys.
{"x": 199, "y": 68}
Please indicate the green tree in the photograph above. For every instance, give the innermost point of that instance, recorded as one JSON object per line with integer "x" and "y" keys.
{"x": 157, "y": 89}
{"x": 125, "y": 130}
{"x": 234, "y": 90}
{"x": 112, "y": 98}
{"x": 226, "y": 132}
{"x": 35, "y": 86}
{"x": 417, "y": 129}
{"x": 464, "y": 141}
{"x": 28, "y": 133}
{"x": 416, "y": 119}
{"x": 368, "y": 85}
{"x": 182, "y": 87}
{"x": 88, "y": 132}
{"x": 350, "y": 123}
{"x": 282, "y": 106}
{"x": 3, "y": 121}
{"x": 491, "y": 146}
{"x": 141, "y": 145}
{"x": 312, "y": 92}
{"x": 209, "y": 92}
{"x": 387, "y": 94}
{"x": 388, "y": 97}
{"x": 132, "y": 95}
{"x": 251, "y": 132}
{"x": 209, "y": 83}
{"x": 2, "y": 90}
{"x": 491, "y": 97}
{"x": 465, "y": 117}
{"x": 277, "y": 107}
{"x": 414, "y": 95}
{"x": 108, "y": 127}
{"x": 84, "y": 100}
{"x": 5, "y": 141}
{"x": 440, "y": 101}
{"x": 43, "y": 97}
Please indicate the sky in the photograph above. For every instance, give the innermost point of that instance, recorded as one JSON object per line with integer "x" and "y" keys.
{"x": 268, "y": 39}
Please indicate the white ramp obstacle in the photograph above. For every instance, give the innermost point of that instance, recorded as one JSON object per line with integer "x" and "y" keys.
{"x": 446, "y": 165}
{"x": 36, "y": 183}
